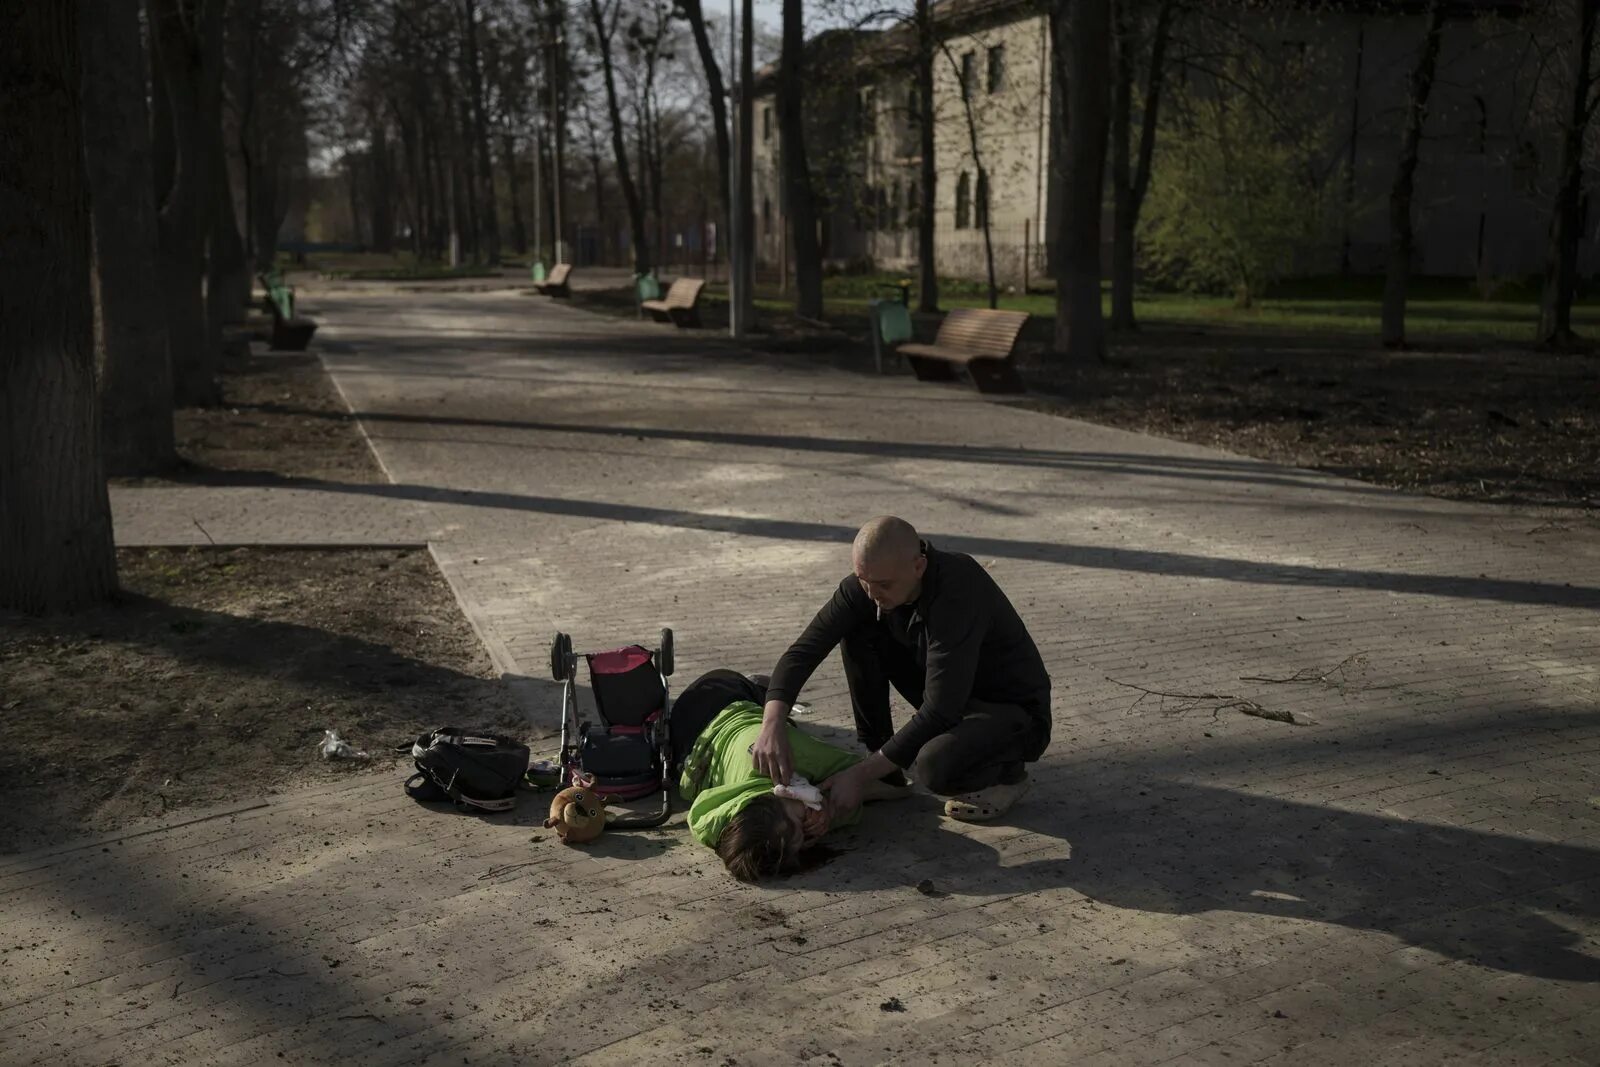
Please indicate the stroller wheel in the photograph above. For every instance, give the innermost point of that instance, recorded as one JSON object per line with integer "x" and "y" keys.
{"x": 664, "y": 653}
{"x": 560, "y": 649}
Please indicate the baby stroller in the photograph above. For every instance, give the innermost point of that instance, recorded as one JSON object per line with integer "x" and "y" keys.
{"x": 628, "y": 753}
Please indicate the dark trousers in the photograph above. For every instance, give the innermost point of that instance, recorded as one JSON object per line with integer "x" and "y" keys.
{"x": 985, "y": 748}
{"x": 703, "y": 700}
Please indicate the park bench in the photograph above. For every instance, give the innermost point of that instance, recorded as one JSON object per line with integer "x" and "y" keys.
{"x": 681, "y": 305}
{"x": 981, "y": 340}
{"x": 555, "y": 283}
{"x": 290, "y": 333}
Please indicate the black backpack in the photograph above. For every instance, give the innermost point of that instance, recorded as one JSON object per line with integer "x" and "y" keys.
{"x": 472, "y": 770}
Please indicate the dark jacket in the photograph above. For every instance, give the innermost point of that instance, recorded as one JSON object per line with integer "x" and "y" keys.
{"x": 962, "y": 631}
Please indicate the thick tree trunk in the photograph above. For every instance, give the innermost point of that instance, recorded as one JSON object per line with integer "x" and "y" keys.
{"x": 178, "y": 30}
{"x": 1130, "y": 181}
{"x": 1122, "y": 68}
{"x": 1080, "y": 328}
{"x": 928, "y": 201}
{"x": 1401, "y": 241}
{"x": 796, "y": 171}
{"x": 227, "y": 267}
{"x": 630, "y": 193}
{"x": 745, "y": 196}
{"x": 56, "y": 550}
{"x": 135, "y": 366}
{"x": 1055, "y": 206}
{"x": 1566, "y": 216}
{"x": 1350, "y": 154}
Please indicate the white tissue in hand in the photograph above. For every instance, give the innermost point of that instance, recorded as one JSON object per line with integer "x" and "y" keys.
{"x": 801, "y": 790}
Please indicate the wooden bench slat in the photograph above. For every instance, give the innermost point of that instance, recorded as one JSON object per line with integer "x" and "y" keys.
{"x": 979, "y": 339}
{"x": 938, "y": 351}
{"x": 680, "y": 305}
{"x": 555, "y": 283}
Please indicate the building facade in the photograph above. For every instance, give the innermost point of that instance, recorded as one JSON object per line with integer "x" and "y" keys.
{"x": 1482, "y": 187}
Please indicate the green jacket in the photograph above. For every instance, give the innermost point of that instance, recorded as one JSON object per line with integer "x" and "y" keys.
{"x": 719, "y": 776}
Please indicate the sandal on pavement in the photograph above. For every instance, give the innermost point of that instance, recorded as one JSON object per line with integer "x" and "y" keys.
{"x": 986, "y": 804}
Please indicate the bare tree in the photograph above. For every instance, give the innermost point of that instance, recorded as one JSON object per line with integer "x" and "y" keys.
{"x": 647, "y": 47}
{"x": 1566, "y": 216}
{"x": 267, "y": 61}
{"x": 131, "y": 322}
{"x": 591, "y": 131}
{"x": 187, "y": 38}
{"x": 695, "y": 15}
{"x": 1129, "y": 180}
{"x": 796, "y": 171}
{"x": 1401, "y": 239}
{"x": 983, "y": 212}
{"x": 927, "y": 271}
{"x": 1084, "y": 69}
{"x": 56, "y": 550}
{"x": 488, "y": 216}
{"x": 603, "y": 16}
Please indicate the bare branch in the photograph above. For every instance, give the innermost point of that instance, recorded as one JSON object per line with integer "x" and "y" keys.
{"x": 1216, "y": 703}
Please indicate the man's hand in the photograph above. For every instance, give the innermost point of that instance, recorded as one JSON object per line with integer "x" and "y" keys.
{"x": 815, "y": 823}
{"x": 771, "y": 752}
{"x": 843, "y": 791}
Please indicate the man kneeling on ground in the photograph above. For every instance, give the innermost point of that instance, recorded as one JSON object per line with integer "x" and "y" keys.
{"x": 935, "y": 626}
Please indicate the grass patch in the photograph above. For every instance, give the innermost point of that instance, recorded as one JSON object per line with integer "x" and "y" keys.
{"x": 1439, "y": 308}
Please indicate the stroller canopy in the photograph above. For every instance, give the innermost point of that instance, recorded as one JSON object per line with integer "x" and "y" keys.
{"x": 627, "y": 687}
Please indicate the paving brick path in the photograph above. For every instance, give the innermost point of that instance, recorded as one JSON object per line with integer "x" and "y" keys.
{"x": 1408, "y": 874}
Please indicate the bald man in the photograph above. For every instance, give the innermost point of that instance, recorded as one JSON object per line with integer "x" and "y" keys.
{"x": 935, "y": 626}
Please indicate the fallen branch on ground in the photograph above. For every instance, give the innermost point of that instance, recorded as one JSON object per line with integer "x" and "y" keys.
{"x": 1310, "y": 674}
{"x": 1218, "y": 703}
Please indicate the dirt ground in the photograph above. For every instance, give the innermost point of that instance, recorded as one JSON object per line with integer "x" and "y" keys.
{"x": 216, "y": 671}
{"x": 280, "y": 418}
{"x": 1495, "y": 425}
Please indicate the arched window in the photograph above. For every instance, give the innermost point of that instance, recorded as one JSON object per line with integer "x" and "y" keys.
{"x": 766, "y": 215}
{"x": 963, "y": 201}
{"x": 894, "y": 207}
{"x": 983, "y": 197}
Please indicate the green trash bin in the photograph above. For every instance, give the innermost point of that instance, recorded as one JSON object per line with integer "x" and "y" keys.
{"x": 537, "y": 270}
{"x": 891, "y": 326}
{"x": 645, "y": 287}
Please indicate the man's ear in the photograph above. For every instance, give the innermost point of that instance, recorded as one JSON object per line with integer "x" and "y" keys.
{"x": 919, "y": 565}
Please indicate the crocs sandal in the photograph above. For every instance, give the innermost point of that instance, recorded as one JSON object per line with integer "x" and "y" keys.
{"x": 985, "y": 804}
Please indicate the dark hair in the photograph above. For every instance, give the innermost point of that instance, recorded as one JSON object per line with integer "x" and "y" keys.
{"x": 756, "y": 842}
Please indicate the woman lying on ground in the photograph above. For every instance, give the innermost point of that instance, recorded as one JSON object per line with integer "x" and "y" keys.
{"x": 733, "y": 808}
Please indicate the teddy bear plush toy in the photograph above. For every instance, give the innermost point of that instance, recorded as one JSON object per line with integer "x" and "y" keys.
{"x": 578, "y": 814}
